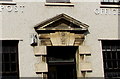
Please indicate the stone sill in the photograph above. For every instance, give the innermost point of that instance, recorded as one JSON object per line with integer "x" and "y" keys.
{"x": 7, "y": 3}
{"x": 11, "y": 39}
{"x": 110, "y": 6}
{"x": 59, "y": 4}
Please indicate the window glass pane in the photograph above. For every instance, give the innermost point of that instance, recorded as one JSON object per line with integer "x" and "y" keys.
{"x": 3, "y": 67}
{"x": 118, "y": 48}
{"x": 104, "y": 55}
{"x": 6, "y": 57}
{"x": 13, "y": 67}
{"x": 7, "y": 67}
{"x": 114, "y": 64}
{"x": 118, "y": 55}
{"x": 105, "y": 65}
{"x": 13, "y": 57}
{"x": 105, "y": 0}
{"x": 5, "y": 0}
{"x": 110, "y": 2}
{"x": 57, "y": 1}
{"x": 13, "y": 49}
{"x": 108, "y": 75}
{"x": 6, "y": 49}
{"x": 109, "y": 56}
{"x": 119, "y": 64}
{"x": 118, "y": 74}
{"x": 113, "y": 48}
{"x": 109, "y": 64}
{"x": 114, "y": 74}
{"x": 114, "y": 56}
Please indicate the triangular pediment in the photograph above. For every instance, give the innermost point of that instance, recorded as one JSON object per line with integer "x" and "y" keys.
{"x": 61, "y": 22}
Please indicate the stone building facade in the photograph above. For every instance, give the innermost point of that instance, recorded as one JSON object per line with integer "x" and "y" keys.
{"x": 60, "y": 39}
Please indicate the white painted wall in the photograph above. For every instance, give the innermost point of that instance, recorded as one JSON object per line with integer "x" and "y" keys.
{"x": 21, "y": 25}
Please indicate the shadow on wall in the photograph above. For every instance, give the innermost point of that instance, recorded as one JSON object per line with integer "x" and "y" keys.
{"x": 118, "y": 26}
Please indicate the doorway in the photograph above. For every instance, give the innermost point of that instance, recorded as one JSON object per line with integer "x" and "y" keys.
{"x": 61, "y": 62}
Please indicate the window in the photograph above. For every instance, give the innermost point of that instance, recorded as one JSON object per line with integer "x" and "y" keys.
{"x": 9, "y": 59}
{"x": 116, "y": 2}
{"x": 5, "y": 0}
{"x": 58, "y": 1}
{"x": 111, "y": 58}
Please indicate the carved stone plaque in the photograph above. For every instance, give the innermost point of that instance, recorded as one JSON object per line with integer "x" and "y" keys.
{"x": 62, "y": 38}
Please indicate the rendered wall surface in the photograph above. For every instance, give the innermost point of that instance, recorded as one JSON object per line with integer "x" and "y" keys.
{"x": 20, "y": 25}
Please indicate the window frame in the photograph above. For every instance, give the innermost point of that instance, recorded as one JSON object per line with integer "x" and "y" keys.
{"x": 12, "y": 46}
{"x": 6, "y": 0}
{"x": 110, "y": 51}
{"x": 103, "y": 2}
{"x": 58, "y": 1}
